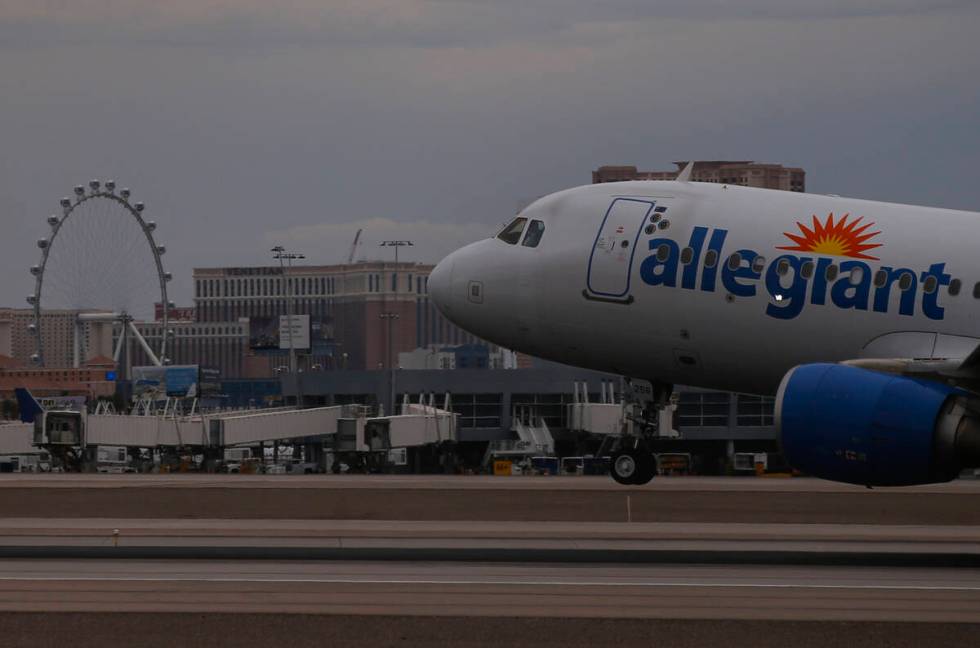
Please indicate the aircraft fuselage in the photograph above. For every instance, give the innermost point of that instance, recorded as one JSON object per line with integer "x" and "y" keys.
{"x": 718, "y": 286}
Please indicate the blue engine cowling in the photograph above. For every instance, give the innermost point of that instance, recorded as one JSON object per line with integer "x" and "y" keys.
{"x": 858, "y": 426}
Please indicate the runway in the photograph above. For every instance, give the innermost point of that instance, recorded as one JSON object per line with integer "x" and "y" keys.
{"x": 462, "y": 561}
{"x": 497, "y": 542}
{"x": 268, "y": 603}
{"x": 505, "y": 590}
{"x": 445, "y": 498}
{"x": 457, "y": 482}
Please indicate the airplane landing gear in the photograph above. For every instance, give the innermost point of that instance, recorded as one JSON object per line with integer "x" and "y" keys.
{"x": 633, "y": 467}
{"x": 632, "y": 462}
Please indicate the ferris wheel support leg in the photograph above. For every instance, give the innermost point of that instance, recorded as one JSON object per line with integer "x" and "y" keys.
{"x": 146, "y": 347}
{"x": 119, "y": 345}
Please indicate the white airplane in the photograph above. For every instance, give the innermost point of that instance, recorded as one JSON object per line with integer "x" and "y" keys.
{"x": 860, "y": 316}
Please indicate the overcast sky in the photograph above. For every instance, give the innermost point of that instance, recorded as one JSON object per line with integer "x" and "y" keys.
{"x": 247, "y": 123}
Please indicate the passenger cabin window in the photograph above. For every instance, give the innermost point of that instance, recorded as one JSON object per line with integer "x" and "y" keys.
{"x": 534, "y": 233}
{"x": 512, "y": 233}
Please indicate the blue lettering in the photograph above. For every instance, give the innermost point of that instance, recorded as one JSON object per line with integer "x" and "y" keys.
{"x": 690, "y": 275}
{"x": 667, "y": 275}
{"x": 729, "y": 277}
{"x": 883, "y": 292}
{"x": 789, "y": 301}
{"x": 715, "y": 244}
{"x": 849, "y": 283}
{"x": 847, "y": 293}
{"x": 930, "y": 307}
{"x": 819, "y": 295}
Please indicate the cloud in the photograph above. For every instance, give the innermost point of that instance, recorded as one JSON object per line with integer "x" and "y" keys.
{"x": 246, "y": 123}
{"x": 397, "y": 23}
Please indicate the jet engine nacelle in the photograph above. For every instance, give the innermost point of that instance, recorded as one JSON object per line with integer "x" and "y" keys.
{"x": 863, "y": 427}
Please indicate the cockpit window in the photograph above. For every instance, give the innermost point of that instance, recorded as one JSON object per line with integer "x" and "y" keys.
{"x": 512, "y": 233}
{"x": 534, "y": 233}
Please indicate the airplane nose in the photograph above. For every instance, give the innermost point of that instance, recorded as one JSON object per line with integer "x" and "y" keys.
{"x": 440, "y": 284}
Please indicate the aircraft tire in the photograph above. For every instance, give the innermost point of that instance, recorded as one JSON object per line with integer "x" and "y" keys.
{"x": 628, "y": 467}
{"x": 646, "y": 467}
{"x": 623, "y": 467}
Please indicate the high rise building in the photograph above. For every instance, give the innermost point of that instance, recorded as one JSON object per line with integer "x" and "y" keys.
{"x": 6, "y": 336}
{"x": 19, "y": 343}
{"x": 745, "y": 173}
{"x": 175, "y": 314}
{"x": 351, "y": 307}
{"x": 219, "y": 345}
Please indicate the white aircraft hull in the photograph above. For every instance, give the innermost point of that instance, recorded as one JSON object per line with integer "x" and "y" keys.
{"x": 583, "y": 297}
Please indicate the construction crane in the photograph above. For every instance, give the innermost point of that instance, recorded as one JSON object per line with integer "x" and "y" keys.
{"x": 353, "y": 247}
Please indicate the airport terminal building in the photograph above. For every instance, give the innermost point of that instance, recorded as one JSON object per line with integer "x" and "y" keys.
{"x": 712, "y": 425}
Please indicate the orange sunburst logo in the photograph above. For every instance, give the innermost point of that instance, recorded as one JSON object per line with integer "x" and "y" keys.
{"x": 838, "y": 239}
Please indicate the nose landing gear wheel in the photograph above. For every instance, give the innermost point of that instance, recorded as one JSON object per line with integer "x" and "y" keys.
{"x": 633, "y": 467}
{"x": 623, "y": 467}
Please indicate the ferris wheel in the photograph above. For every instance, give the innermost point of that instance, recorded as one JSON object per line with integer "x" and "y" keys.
{"x": 100, "y": 263}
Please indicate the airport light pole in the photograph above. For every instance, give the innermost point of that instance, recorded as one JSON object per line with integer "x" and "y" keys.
{"x": 396, "y": 245}
{"x": 284, "y": 257}
{"x": 390, "y": 317}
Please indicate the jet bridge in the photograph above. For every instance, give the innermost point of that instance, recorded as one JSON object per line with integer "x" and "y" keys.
{"x": 612, "y": 415}
{"x": 419, "y": 424}
{"x": 534, "y": 438}
{"x": 604, "y": 418}
{"x": 416, "y": 436}
{"x": 257, "y": 427}
{"x": 72, "y": 435}
{"x": 57, "y": 428}
{"x": 15, "y": 438}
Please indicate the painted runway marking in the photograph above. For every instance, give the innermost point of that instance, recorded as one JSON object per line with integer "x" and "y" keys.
{"x": 394, "y": 581}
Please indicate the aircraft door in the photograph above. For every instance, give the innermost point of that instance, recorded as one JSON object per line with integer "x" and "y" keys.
{"x": 611, "y": 261}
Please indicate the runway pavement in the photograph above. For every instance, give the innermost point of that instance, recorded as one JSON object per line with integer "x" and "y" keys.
{"x": 269, "y": 603}
{"x": 574, "y": 561}
{"x": 554, "y": 499}
{"x": 579, "y": 542}
{"x": 506, "y": 590}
